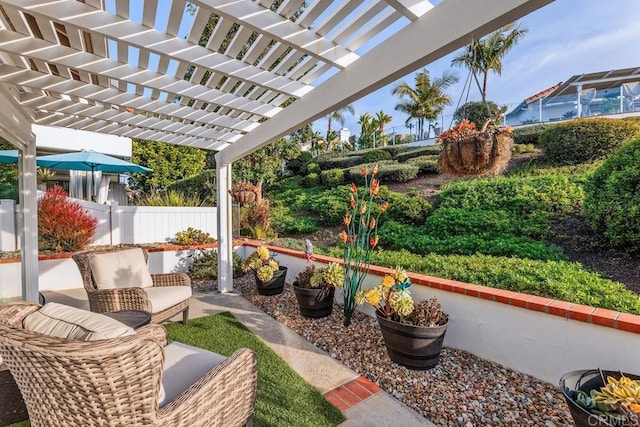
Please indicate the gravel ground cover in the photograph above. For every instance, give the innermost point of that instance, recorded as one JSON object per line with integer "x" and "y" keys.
{"x": 463, "y": 390}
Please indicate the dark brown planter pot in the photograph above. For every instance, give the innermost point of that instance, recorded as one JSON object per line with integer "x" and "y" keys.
{"x": 416, "y": 347}
{"x": 314, "y": 302}
{"x": 273, "y": 286}
{"x": 587, "y": 380}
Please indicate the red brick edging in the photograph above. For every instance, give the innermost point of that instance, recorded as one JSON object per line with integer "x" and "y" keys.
{"x": 352, "y": 393}
{"x": 582, "y": 313}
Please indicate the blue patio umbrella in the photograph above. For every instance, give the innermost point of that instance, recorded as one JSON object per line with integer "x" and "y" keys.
{"x": 8, "y": 156}
{"x": 90, "y": 161}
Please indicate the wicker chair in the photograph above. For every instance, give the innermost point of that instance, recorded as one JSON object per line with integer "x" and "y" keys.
{"x": 116, "y": 382}
{"x": 133, "y": 298}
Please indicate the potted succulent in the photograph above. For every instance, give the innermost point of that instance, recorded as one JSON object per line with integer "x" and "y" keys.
{"x": 470, "y": 151}
{"x": 267, "y": 272}
{"x": 413, "y": 332}
{"x": 244, "y": 192}
{"x": 602, "y": 398}
{"x": 315, "y": 289}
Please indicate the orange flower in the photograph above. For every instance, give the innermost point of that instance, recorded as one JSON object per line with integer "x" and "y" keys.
{"x": 375, "y": 186}
{"x": 353, "y": 202}
{"x": 343, "y": 236}
{"x": 354, "y": 189}
{"x": 363, "y": 171}
{"x": 347, "y": 220}
{"x": 635, "y": 408}
{"x": 384, "y": 206}
{"x": 374, "y": 171}
{"x": 373, "y": 241}
{"x": 372, "y": 224}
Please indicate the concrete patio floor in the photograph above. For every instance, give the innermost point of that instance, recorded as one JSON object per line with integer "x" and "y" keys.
{"x": 361, "y": 401}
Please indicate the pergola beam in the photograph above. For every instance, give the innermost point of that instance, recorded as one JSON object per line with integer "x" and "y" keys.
{"x": 447, "y": 27}
{"x": 411, "y": 9}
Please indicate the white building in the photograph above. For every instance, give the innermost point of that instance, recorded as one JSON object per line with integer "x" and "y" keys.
{"x": 345, "y": 134}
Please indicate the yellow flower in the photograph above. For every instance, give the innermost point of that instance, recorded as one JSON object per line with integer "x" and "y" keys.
{"x": 263, "y": 253}
{"x": 273, "y": 264}
{"x": 373, "y": 297}
{"x": 387, "y": 282}
{"x": 399, "y": 275}
{"x": 360, "y": 297}
{"x": 264, "y": 273}
{"x": 402, "y": 303}
{"x": 375, "y": 170}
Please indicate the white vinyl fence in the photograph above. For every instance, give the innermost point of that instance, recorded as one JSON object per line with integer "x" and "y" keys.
{"x": 120, "y": 224}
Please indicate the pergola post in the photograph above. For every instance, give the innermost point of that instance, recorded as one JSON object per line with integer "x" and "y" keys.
{"x": 29, "y": 211}
{"x": 225, "y": 227}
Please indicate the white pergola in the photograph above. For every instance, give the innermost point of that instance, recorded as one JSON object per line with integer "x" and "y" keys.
{"x": 117, "y": 67}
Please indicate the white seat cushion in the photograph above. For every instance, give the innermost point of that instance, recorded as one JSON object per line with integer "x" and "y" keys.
{"x": 163, "y": 297}
{"x": 120, "y": 269}
{"x": 72, "y": 323}
{"x": 184, "y": 366}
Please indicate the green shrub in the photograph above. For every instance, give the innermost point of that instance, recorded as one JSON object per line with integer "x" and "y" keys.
{"x": 193, "y": 236}
{"x": 296, "y": 224}
{"x": 478, "y": 112}
{"x": 375, "y": 156}
{"x": 298, "y": 166}
{"x": 523, "y": 148}
{"x": 446, "y": 222}
{"x": 527, "y": 195}
{"x": 205, "y": 265}
{"x": 387, "y": 172}
{"x": 331, "y": 206}
{"x": 586, "y": 140}
{"x": 552, "y": 279}
{"x": 311, "y": 180}
{"x": 425, "y": 164}
{"x": 612, "y": 202}
{"x": 340, "y": 162}
{"x": 393, "y": 150}
{"x": 332, "y": 178}
{"x": 529, "y": 134}
{"x": 429, "y": 150}
{"x": 313, "y": 168}
{"x": 200, "y": 187}
{"x": 410, "y": 210}
{"x": 171, "y": 198}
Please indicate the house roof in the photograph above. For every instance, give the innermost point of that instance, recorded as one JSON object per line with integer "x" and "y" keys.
{"x": 158, "y": 70}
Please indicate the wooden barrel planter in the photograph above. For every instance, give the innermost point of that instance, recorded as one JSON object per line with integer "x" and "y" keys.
{"x": 273, "y": 286}
{"x": 314, "y": 302}
{"x": 416, "y": 347}
{"x": 486, "y": 153}
{"x": 587, "y": 380}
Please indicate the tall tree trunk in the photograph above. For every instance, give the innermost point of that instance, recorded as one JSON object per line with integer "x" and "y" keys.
{"x": 259, "y": 190}
{"x": 484, "y": 86}
{"x": 329, "y": 119}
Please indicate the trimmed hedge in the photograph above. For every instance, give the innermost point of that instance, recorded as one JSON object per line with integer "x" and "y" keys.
{"x": 375, "y": 156}
{"x": 529, "y": 134}
{"x": 445, "y": 222}
{"x": 411, "y": 210}
{"x": 313, "y": 168}
{"x": 612, "y": 202}
{"x": 552, "y": 279}
{"x": 340, "y": 162}
{"x": 586, "y": 140}
{"x": 311, "y": 180}
{"x": 527, "y": 195}
{"x": 430, "y": 150}
{"x": 332, "y": 178}
{"x": 425, "y": 164}
{"x": 387, "y": 172}
{"x": 298, "y": 166}
{"x": 523, "y": 148}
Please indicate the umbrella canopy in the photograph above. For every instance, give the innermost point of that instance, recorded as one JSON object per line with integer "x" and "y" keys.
{"x": 8, "y": 156}
{"x": 89, "y": 161}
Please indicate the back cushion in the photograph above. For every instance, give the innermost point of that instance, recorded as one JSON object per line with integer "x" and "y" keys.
{"x": 72, "y": 323}
{"x": 120, "y": 269}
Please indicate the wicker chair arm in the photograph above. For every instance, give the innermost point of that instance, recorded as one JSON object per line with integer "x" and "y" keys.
{"x": 171, "y": 279}
{"x": 226, "y": 394}
{"x": 106, "y": 300}
{"x": 153, "y": 332}
{"x": 13, "y": 314}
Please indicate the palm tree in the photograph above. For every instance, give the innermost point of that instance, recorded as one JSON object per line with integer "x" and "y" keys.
{"x": 367, "y": 129}
{"x": 339, "y": 116}
{"x": 382, "y": 119}
{"x": 426, "y": 100}
{"x": 486, "y": 54}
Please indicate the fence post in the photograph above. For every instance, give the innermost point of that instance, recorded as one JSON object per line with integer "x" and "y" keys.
{"x": 8, "y": 225}
{"x": 114, "y": 212}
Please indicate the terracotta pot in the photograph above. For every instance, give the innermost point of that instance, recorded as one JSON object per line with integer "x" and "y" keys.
{"x": 587, "y": 380}
{"x": 416, "y": 347}
{"x": 273, "y": 286}
{"x": 314, "y": 302}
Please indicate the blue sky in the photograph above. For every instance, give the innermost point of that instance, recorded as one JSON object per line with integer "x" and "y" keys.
{"x": 565, "y": 38}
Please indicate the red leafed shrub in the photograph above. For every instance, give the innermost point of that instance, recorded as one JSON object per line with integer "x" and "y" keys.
{"x": 63, "y": 225}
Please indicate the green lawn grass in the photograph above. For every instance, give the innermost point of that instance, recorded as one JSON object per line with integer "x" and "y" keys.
{"x": 284, "y": 398}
